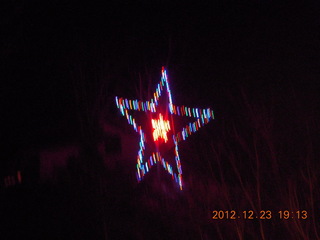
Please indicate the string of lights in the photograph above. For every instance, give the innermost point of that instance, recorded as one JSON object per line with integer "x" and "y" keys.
{"x": 161, "y": 127}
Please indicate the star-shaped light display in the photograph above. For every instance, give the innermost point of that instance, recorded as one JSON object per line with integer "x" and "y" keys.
{"x": 162, "y": 128}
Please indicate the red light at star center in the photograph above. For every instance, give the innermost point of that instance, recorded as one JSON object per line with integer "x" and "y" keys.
{"x": 160, "y": 128}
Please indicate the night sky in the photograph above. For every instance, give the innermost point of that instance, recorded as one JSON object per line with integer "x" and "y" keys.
{"x": 208, "y": 49}
{"x": 62, "y": 64}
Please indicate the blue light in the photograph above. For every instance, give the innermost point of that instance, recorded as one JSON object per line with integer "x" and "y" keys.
{"x": 117, "y": 102}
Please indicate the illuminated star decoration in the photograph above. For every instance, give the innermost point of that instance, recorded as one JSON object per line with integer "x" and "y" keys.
{"x": 161, "y": 128}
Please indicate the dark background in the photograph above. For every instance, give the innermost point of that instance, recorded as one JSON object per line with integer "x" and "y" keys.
{"x": 60, "y": 59}
{"x": 259, "y": 45}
